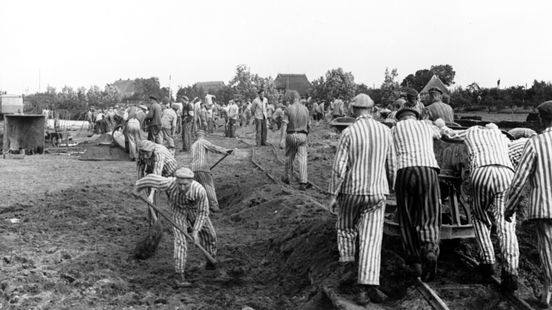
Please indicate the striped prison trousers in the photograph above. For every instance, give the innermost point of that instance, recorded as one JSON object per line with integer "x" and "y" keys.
{"x": 361, "y": 216}
{"x": 296, "y": 147}
{"x": 419, "y": 211}
{"x": 544, "y": 246}
{"x": 185, "y": 218}
{"x": 206, "y": 179}
{"x": 489, "y": 186}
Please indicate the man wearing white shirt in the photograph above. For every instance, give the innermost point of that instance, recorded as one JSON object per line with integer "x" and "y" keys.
{"x": 259, "y": 110}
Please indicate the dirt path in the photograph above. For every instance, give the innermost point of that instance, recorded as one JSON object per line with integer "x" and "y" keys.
{"x": 72, "y": 248}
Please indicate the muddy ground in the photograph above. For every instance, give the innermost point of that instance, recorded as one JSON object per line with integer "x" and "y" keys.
{"x": 69, "y": 227}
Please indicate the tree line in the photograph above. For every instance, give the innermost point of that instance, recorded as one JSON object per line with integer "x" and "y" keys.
{"x": 335, "y": 84}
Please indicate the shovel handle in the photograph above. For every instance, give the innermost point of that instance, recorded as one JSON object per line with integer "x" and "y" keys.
{"x": 223, "y": 157}
{"x": 209, "y": 257}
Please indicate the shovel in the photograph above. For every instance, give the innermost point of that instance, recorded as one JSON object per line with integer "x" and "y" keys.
{"x": 146, "y": 248}
{"x": 223, "y": 157}
{"x": 209, "y": 257}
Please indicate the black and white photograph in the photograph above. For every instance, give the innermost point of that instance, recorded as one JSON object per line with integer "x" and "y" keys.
{"x": 274, "y": 155}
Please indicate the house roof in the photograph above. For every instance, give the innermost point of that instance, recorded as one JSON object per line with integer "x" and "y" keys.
{"x": 210, "y": 86}
{"x": 298, "y": 82}
{"x": 436, "y": 82}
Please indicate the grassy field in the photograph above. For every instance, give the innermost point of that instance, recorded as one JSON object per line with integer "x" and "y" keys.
{"x": 497, "y": 117}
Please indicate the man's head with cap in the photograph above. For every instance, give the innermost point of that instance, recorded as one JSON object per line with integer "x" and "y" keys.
{"x": 545, "y": 113}
{"x": 153, "y": 99}
{"x": 184, "y": 178}
{"x": 411, "y": 95}
{"x": 362, "y": 104}
{"x": 436, "y": 94}
{"x": 146, "y": 148}
{"x": 407, "y": 113}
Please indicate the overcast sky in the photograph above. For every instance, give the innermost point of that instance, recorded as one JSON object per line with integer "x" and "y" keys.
{"x": 83, "y": 43}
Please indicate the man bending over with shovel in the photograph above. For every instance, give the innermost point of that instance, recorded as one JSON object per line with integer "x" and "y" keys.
{"x": 190, "y": 208}
{"x": 201, "y": 168}
{"x": 157, "y": 159}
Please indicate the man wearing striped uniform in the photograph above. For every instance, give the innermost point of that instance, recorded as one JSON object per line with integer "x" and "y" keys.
{"x": 362, "y": 173}
{"x": 155, "y": 158}
{"x": 233, "y": 113}
{"x": 190, "y": 208}
{"x": 295, "y": 128}
{"x": 417, "y": 190}
{"x": 168, "y": 127}
{"x": 201, "y": 169}
{"x": 491, "y": 175}
{"x": 439, "y": 109}
{"x": 536, "y": 167}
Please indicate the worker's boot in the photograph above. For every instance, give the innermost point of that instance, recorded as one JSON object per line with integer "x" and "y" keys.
{"x": 509, "y": 282}
{"x": 285, "y": 180}
{"x": 214, "y": 208}
{"x": 346, "y": 272}
{"x": 544, "y": 300}
{"x": 369, "y": 293}
{"x": 210, "y": 266}
{"x": 180, "y": 281}
{"x": 486, "y": 270}
{"x": 429, "y": 267}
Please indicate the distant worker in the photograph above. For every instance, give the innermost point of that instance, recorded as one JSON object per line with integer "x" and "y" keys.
{"x": 491, "y": 175}
{"x": 413, "y": 102}
{"x": 201, "y": 169}
{"x": 168, "y": 127}
{"x": 417, "y": 191}
{"x": 233, "y": 114}
{"x": 133, "y": 133}
{"x": 437, "y": 108}
{"x": 259, "y": 111}
{"x": 190, "y": 210}
{"x": 338, "y": 108}
{"x": 362, "y": 173}
{"x": 536, "y": 167}
{"x": 187, "y": 123}
{"x": 295, "y": 129}
{"x": 153, "y": 121}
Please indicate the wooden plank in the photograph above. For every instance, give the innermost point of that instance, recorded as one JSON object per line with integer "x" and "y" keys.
{"x": 430, "y": 295}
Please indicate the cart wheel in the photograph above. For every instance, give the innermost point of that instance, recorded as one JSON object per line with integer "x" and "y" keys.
{"x": 55, "y": 141}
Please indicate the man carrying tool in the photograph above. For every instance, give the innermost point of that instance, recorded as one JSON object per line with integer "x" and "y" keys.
{"x": 295, "y": 128}
{"x": 153, "y": 121}
{"x": 187, "y": 123}
{"x": 201, "y": 169}
{"x": 363, "y": 171}
{"x": 259, "y": 111}
{"x": 418, "y": 193}
{"x": 132, "y": 130}
{"x": 535, "y": 166}
{"x": 491, "y": 175}
{"x": 189, "y": 206}
{"x": 168, "y": 127}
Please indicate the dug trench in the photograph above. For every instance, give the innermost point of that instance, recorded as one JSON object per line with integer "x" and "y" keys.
{"x": 72, "y": 246}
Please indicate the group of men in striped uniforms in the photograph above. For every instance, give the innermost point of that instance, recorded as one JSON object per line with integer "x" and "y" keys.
{"x": 190, "y": 200}
{"x": 370, "y": 159}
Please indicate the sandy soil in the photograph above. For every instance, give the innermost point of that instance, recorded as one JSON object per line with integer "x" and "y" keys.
{"x": 78, "y": 225}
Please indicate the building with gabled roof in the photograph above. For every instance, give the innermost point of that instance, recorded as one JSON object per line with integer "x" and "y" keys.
{"x": 298, "y": 82}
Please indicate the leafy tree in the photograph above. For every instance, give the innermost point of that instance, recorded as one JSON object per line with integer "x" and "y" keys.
{"x": 390, "y": 87}
{"x": 444, "y": 72}
{"x": 339, "y": 84}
